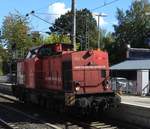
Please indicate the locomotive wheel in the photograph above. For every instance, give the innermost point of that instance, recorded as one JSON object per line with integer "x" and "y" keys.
{"x": 47, "y": 105}
{"x": 68, "y": 110}
{"x": 61, "y": 108}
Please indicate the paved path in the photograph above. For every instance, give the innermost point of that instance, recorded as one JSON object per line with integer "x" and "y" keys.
{"x": 136, "y": 100}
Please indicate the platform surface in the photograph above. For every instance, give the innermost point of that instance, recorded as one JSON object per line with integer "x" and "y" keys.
{"x": 142, "y": 101}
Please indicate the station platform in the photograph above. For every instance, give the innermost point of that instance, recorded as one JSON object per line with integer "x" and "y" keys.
{"x": 141, "y": 101}
{"x": 133, "y": 110}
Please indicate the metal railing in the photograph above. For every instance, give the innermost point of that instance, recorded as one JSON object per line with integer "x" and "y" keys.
{"x": 128, "y": 87}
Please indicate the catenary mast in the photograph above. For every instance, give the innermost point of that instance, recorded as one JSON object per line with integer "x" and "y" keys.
{"x": 74, "y": 24}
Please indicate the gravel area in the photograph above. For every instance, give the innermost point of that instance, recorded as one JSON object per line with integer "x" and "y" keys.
{"x": 2, "y": 127}
{"x": 19, "y": 120}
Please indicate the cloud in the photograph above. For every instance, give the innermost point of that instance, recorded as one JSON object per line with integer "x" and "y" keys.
{"x": 102, "y": 22}
{"x": 136, "y": 0}
{"x": 56, "y": 10}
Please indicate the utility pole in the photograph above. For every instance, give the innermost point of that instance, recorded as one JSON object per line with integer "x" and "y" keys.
{"x": 74, "y": 24}
{"x": 99, "y": 29}
{"x": 86, "y": 35}
{"x": 98, "y": 43}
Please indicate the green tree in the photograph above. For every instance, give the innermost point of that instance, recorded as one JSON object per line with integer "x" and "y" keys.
{"x": 3, "y": 59}
{"x": 15, "y": 35}
{"x": 108, "y": 44}
{"x": 14, "y": 31}
{"x": 55, "y": 38}
{"x": 133, "y": 28}
{"x": 36, "y": 39}
{"x": 86, "y": 27}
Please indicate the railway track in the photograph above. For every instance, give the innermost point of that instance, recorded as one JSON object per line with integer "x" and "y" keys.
{"x": 106, "y": 125}
{"x": 63, "y": 122}
{"x": 99, "y": 123}
{"x": 18, "y": 119}
{"x": 5, "y": 125}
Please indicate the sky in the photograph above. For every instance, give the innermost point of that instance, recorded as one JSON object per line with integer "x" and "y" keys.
{"x": 51, "y": 9}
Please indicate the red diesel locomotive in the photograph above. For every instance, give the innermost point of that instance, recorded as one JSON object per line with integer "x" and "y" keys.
{"x": 57, "y": 77}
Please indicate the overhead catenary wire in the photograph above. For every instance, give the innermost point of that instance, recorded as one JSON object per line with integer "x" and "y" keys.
{"x": 45, "y": 7}
{"x": 99, "y": 15}
{"x": 105, "y": 4}
{"x": 63, "y": 30}
{"x": 32, "y": 13}
{"x": 41, "y": 13}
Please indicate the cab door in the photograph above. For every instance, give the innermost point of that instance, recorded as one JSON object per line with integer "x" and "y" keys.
{"x": 67, "y": 76}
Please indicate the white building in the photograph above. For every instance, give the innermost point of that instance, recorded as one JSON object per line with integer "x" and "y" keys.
{"x": 135, "y": 68}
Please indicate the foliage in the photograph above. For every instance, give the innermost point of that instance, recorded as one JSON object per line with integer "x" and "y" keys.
{"x": 3, "y": 53}
{"x": 86, "y": 27}
{"x": 55, "y": 38}
{"x": 36, "y": 38}
{"x": 15, "y": 34}
{"x": 16, "y": 39}
{"x": 3, "y": 58}
{"x": 108, "y": 43}
{"x": 133, "y": 28}
{"x": 14, "y": 31}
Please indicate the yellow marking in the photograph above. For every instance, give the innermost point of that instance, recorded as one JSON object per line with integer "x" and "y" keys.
{"x": 69, "y": 99}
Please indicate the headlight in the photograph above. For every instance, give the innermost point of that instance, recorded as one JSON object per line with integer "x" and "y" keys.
{"x": 77, "y": 88}
{"x": 107, "y": 87}
{"x": 107, "y": 84}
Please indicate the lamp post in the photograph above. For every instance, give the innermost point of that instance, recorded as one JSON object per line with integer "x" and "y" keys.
{"x": 99, "y": 15}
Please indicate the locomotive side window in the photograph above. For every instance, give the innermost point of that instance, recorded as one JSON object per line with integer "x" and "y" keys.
{"x": 31, "y": 53}
{"x": 103, "y": 73}
{"x": 34, "y": 53}
{"x": 45, "y": 51}
{"x": 28, "y": 55}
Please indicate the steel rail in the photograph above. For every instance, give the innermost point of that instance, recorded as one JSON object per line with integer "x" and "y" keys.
{"x": 25, "y": 114}
{"x": 5, "y": 124}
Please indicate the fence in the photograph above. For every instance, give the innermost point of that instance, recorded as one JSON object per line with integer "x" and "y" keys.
{"x": 125, "y": 86}
{"x": 4, "y": 79}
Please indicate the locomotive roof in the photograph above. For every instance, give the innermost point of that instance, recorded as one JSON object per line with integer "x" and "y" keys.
{"x": 54, "y": 44}
{"x": 54, "y": 49}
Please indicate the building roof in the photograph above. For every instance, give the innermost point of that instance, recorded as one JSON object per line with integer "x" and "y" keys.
{"x": 138, "y": 54}
{"x": 132, "y": 65}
